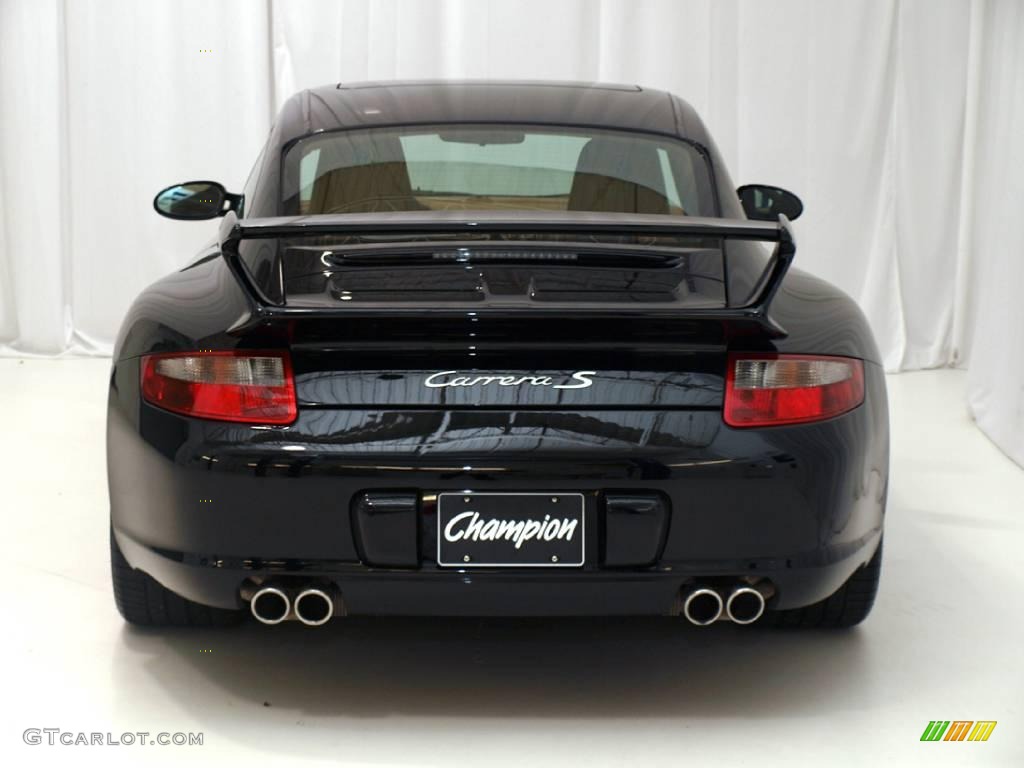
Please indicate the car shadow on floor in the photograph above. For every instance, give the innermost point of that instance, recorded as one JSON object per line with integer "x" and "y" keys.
{"x": 466, "y": 668}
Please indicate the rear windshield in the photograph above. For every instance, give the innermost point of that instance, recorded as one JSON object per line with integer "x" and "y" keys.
{"x": 492, "y": 168}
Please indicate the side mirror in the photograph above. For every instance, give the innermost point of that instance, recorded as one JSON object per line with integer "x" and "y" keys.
{"x": 195, "y": 200}
{"x": 766, "y": 203}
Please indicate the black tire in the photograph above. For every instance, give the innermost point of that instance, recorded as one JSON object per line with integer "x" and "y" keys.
{"x": 141, "y": 600}
{"x": 847, "y": 607}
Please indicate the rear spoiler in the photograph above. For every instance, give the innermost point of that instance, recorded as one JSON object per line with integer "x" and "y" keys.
{"x": 234, "y": 230}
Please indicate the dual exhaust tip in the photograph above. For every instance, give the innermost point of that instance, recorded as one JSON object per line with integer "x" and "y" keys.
{"x": 743, "y": 605}
{"x": 272, "y": 605}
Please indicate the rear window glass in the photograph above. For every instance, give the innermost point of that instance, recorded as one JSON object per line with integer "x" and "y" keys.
{"x": 495, "y": 167}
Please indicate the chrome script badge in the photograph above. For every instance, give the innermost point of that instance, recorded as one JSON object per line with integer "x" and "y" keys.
{"x": 577, "y": 380}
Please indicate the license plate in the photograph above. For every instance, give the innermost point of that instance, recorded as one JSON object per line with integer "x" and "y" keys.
{"x": 518, "y": 530}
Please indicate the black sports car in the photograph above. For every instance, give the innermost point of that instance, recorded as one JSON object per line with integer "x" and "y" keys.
{"x": 489, "y": 348}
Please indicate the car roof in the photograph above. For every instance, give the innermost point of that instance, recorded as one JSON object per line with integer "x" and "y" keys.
{"x": 605, "y": 105}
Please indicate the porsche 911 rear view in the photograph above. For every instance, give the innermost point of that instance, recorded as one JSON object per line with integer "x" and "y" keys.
{"x": 501, "y": 349}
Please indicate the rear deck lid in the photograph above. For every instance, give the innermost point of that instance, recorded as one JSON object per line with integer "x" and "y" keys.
{"x": 557, "y": 312}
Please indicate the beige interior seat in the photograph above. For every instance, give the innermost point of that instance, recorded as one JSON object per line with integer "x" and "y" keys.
{"x": 363, "y": 178}
{"x": 618, "y": 176}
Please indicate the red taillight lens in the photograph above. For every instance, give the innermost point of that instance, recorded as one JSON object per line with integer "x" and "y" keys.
{"x": 763, "y": 390}
{"x": 249, "y": 387}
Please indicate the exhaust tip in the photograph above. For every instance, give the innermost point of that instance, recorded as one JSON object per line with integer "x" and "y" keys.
{"x": 270, "y": 605}
{"x": 703, "y": 606}
{"x": 314, "y": 607}
{"x": 745, "y": 605}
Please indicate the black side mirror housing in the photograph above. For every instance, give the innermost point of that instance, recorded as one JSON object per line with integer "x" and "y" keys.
{"x": 765, "y": 203}
{"x": 195, "y": 201}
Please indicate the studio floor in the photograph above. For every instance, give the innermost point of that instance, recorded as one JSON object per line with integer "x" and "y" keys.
{"x": 946, "y": 639}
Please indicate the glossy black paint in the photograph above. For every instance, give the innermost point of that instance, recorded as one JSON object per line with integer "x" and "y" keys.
{"x": 672, "y": 494}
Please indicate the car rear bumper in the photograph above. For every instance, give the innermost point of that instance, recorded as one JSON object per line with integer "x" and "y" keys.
{"x": 516, "y": 592}
{"x": 207, "y": 508}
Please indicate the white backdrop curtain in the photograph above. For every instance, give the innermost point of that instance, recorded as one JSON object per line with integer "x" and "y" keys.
{"x": 899, "y": 122}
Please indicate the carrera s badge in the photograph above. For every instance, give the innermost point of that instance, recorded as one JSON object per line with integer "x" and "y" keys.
{"x": 577, "y": 380}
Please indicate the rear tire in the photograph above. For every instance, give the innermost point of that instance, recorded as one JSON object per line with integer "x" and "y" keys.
{"x": 847, "y": 607}
{"x": 143, "y": 601}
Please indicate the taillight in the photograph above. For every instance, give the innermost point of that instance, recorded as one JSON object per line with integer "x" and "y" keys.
{"x": 248, "y": 387}
{"x": 763, "y": 390}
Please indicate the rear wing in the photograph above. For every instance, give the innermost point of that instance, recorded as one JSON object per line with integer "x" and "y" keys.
{"x": 234, "y": 230}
